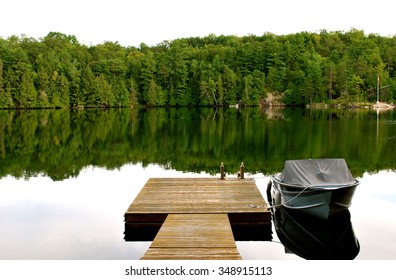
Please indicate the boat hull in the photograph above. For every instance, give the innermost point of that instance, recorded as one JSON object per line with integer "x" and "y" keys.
{"x": 318, "y": 202}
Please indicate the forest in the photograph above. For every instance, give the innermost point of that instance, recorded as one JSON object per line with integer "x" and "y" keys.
{"x": 303, "y": 68}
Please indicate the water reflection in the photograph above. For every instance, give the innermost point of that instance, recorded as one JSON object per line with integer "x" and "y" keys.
{"x": 61, "y": 143}
{"x": 241, "y": 230}
{"x": 82, "y": 218}
{"x": 63, "y": 208}
{"x": 318, "y": 239}
{"x": 78, "y": 218}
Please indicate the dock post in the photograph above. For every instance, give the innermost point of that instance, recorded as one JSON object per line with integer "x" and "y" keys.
{"x": 242, "y": 171}
{"x": 222, "y": 175}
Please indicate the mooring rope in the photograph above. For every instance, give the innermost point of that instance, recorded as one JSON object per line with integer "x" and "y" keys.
{"x": 259, "y": 178}
{"x": 277, "y": 205}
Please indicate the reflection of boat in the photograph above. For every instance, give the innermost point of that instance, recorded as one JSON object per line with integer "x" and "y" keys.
{"x": 313, "y": 238}
{"x": 319, "y": 187}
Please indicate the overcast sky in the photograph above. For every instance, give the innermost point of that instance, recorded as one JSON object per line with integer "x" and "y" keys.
{"x": 131, "y": 22}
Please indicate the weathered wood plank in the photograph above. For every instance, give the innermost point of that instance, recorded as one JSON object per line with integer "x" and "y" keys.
{"x": 191, "y": 254}
{"x": 195, "y": 230}
{"x": 198, "y": 195}
{"x": 194, "y": 236}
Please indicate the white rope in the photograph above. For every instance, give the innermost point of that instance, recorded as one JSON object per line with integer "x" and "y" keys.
{"x": 259, "y": 178}
{"x": 277, "y": 205}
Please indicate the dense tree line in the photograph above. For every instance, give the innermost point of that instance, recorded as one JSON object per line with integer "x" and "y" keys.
{"x": 332, "y": 67}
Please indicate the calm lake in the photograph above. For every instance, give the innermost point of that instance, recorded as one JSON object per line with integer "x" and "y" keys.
{"x": 67, "y": 177}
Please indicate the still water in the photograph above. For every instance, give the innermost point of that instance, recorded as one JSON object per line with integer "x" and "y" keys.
{"x": 66, "y": 178}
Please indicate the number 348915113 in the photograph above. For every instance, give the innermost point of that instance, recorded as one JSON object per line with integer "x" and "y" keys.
{"x": 242, "y": 270}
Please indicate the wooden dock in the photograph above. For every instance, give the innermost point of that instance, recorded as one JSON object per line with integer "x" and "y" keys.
{"x": 197, "y": 218}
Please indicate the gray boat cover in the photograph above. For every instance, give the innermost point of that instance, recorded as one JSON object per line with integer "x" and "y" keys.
{"x": 316, "y": 172}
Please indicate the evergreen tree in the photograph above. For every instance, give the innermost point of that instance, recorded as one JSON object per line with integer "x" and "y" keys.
{"x": 63, "y": 90}
{"x": 87, "y": 96}
{"x": 329, "y": 77}
{"x": 152, "y": 94}
{"x": 314, "y": 79}
{"x": 103, "y": 95}
{"x": 147, "y": 75}
{"x": 133, "y": 95}
{"x": 229, "y": 81}
{"x": 355, "y": 88}
{"x": 220, "y": 91}
{"x": 27, "y": 92}
{"x": 179, "y": 74}
{"x": 5, "y": 96}
{"x": 120, "y": 92}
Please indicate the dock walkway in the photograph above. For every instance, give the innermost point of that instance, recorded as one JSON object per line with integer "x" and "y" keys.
{"x": 194, "y": 236}
{"x": 197, "y": 218}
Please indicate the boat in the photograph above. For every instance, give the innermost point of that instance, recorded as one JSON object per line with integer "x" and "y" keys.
{"x": 313, "y": 238}
{"x": 318, "y": 187}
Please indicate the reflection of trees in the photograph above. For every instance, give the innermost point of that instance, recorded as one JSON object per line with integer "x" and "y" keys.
{"x": 60, "y": 143}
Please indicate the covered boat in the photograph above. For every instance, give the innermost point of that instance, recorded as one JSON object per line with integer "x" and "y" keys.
{"x": 318, "y": 187}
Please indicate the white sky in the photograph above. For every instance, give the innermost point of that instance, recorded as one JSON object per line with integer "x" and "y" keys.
{"x": 131, "y": 22}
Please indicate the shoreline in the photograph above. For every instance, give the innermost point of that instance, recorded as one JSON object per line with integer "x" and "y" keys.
{"x": 353, "y": 105}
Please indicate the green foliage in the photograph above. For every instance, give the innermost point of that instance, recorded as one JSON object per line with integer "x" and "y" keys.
{"x": 59, "y": 143}
{"x": 103, "y": 95}
{"x": 57, "y": 71}
{"x": 133, "y": 96}
{"x": 5, "y": 96}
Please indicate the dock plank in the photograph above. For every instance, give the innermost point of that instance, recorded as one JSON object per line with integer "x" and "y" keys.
{"x": 198, "y": 195}
{"x": 194, "y": 236}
